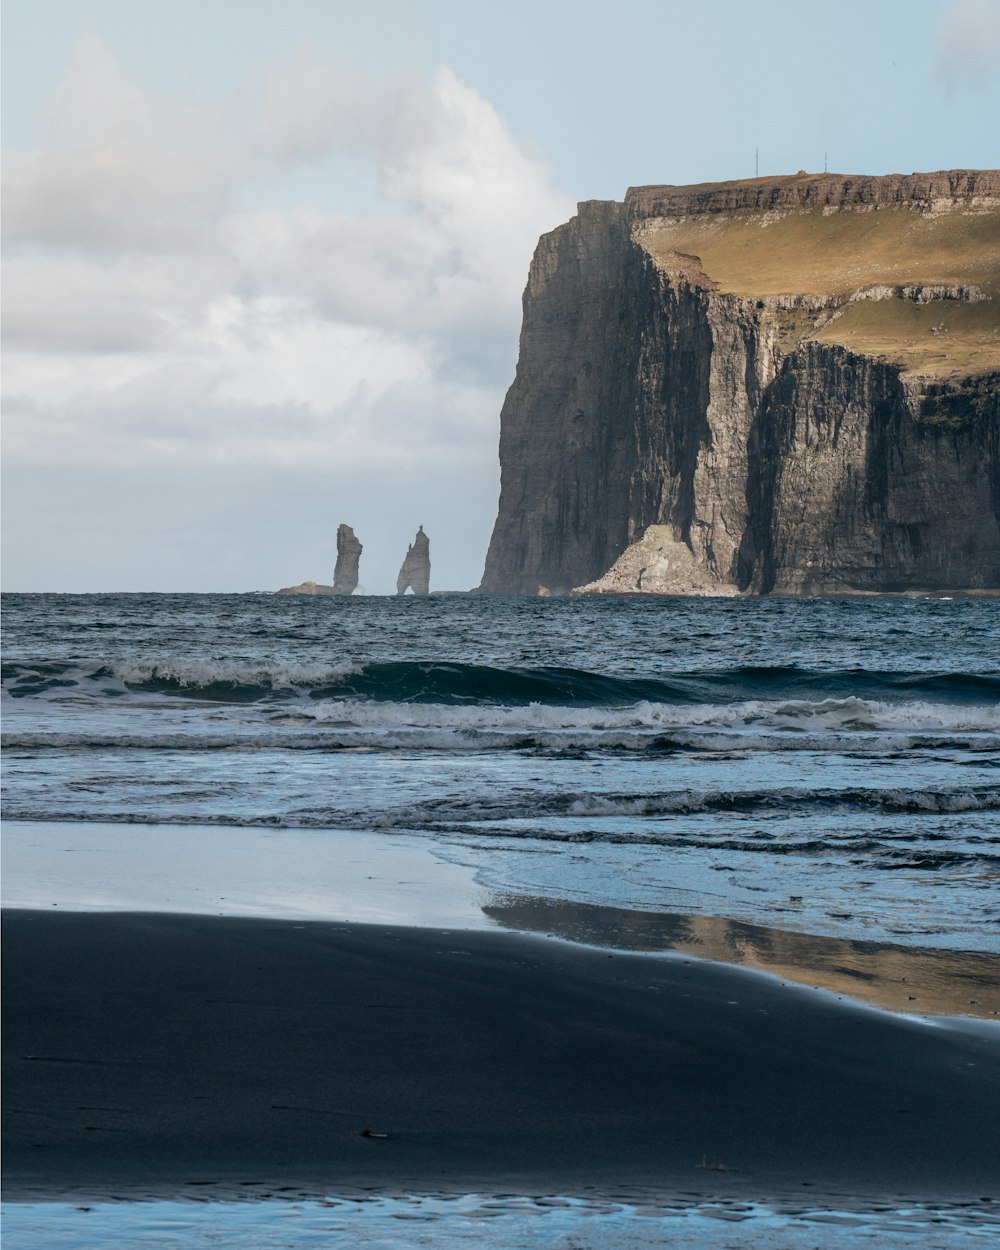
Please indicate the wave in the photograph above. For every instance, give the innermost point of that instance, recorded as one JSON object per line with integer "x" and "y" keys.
{"x": 212, "y": 680}
{"x": 685, "y": 802}
{"x": 551, "y": 743}
{"x": 978, "y": 799}
{"x": 458, "y": 684}
{"x": 845, "y": 726}
{"x": 791, "y": 715}
{"x": 640, "y": 820}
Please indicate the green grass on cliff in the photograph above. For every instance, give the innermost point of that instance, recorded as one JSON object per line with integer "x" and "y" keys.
{"x": 770, "y": 254}
{"x": 942, "y": 337}
{"x": 835, "y": 254}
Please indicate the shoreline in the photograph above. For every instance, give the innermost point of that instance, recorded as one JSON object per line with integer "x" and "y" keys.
{"x": 397, "y": 879}
{"x": 166, "y": 1055}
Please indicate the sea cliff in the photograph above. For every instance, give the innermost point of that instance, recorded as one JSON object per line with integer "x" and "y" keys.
{"x": 795, "y": 381}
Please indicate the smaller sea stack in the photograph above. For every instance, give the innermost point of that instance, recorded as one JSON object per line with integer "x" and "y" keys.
{"x": 416, "y": 571}
{"x": 349, "y": 549}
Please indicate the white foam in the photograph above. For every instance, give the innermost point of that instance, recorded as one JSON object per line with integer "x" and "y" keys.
{"x": 798, "y": 715}
{"x": 195, "y": 673}
{"x": 511, "y": 736}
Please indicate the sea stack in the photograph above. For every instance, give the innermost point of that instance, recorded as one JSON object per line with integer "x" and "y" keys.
{"x": 349, "y": 549}
{"x": 416, "y": 570}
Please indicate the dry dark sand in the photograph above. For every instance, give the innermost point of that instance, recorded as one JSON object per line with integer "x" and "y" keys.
{"x": 159, "y": 1055}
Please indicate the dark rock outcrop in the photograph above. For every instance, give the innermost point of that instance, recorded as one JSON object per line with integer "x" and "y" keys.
{"x": 416, "y": 570}
{"x": 762, "y": 431}
{"x": 345, "y": 576}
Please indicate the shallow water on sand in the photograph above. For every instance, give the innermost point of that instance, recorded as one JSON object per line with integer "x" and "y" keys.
{"x": 399, "y": 879}
{"x": 506, "y": 1222}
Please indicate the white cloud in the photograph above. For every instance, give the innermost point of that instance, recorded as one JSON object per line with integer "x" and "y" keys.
{"x": 149, "y": 319}
{"x": 106, "y": 411}
{"x": 313, "y": 103}
{"x": 278, "y": 351}
{"x": 79, "y": 302}
{"x": 969, "y": 43}
{"x": 121, "y": 168}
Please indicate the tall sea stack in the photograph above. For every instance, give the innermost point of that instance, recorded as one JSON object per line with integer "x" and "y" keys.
{"x": 416, "y": 570}
{"x": 785, "y": 385}
{"x": 349, "y": 549}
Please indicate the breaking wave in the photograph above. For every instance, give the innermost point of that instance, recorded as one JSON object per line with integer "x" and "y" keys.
{"x": 457, "y": 684}
{"x": 794, "y": 715}
{"x": 197, "y": 705}
{"x": 212, "y": 680}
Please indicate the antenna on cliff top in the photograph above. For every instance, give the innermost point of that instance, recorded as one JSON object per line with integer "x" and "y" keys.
{"x": 756, "y": 162}
{"x": 824, "y": 162}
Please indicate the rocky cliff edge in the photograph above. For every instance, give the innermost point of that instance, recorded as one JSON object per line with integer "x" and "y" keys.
{"x": 797, "y": 380}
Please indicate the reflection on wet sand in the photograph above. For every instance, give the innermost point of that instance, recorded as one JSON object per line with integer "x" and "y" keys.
{"x": 896, "y": 978}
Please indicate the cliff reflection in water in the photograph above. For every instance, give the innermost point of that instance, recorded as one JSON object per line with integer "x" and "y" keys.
{"x": 895, "y": 978}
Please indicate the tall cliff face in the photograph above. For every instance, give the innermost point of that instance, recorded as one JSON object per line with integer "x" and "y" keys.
{"x": 807, "y": 403}
{"x": 586, "y": 295}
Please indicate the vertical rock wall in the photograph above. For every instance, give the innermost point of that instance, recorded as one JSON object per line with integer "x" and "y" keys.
{"x": 567, "y": 412}
{"x": 856, "y": 484}
{"x": 646, "y": 397}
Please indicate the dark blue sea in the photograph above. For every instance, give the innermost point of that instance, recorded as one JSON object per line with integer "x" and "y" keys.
{"x": 723, "y": 776}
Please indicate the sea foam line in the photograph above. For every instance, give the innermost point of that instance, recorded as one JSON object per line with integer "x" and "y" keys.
{"x": 610, "y": 809}
{"x": 514, "y": 736}
{"x": 786, "y": 714}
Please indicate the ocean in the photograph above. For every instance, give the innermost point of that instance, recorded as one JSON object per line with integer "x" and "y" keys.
{"x": 824, "y": 766}
{"x": 809, "y": 787}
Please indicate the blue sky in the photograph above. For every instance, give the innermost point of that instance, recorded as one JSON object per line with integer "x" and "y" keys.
{"x": 264, "y": 259}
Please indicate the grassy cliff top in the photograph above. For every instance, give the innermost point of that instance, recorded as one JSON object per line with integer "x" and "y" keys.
{"x": 833, "y": 236}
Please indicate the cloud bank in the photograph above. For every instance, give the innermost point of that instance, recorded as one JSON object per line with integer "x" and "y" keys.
{"x": 164, "y": 307}
{"x": 969, "y": 44}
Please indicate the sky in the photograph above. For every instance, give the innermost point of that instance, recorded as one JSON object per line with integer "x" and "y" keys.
{"x": 263, "y": 259}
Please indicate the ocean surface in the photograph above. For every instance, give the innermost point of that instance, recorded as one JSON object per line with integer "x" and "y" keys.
{"x": 823, "y": 766}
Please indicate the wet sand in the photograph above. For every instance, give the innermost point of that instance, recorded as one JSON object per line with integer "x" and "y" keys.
{"x": 169, "y": 1055}
{"x": 911, "y": 979}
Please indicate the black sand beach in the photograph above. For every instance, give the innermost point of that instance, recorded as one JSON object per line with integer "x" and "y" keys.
{"x": 163, "y": 1055}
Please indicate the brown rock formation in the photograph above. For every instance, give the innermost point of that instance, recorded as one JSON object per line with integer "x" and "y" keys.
{"x": 345, "y": 576}
{"x": 306, "y": 588}
{"x": 798, "y": 379}
{"x": 802, "y": 191}
{"x": 416, "y": 570}
{"x": 658, "y": 564}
